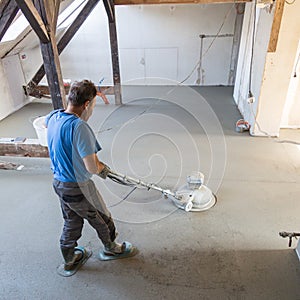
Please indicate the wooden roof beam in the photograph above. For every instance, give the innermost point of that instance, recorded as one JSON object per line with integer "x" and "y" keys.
{"x": 34, "y": 19}
{"x": 64, "y": 41}
{"x": 141, "y": 2}
{"x": 8, "y": 11}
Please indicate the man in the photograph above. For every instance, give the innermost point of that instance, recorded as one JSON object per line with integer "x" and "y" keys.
{"x": 72, "y": 149}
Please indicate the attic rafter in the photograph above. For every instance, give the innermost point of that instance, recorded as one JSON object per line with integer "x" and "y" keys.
{"x": 8, "y": 11}
{"x": 64, "y": 41}
{"x": 34, "y": 19}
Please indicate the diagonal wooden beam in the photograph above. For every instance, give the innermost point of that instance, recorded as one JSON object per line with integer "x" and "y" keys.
{"x": 8, "y": 11}
{"x": 66, "y": 38}
{"x": 34, "y": 19}
{"x": 110, "y": 10}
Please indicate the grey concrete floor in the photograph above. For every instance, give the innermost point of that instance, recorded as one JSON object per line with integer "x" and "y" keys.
{"x": 161, "y": 134}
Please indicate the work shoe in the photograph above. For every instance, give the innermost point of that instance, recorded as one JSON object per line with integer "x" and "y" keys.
{"x": 114, "y": 248}
{"x": 72, "y": 257}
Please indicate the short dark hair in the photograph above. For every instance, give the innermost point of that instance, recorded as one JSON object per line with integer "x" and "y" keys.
{"x": 82, "y": 91}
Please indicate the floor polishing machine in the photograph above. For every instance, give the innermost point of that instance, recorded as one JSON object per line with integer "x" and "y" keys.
{"x": 193, "y": 196}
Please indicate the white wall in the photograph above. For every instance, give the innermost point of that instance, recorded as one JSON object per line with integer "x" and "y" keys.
{"x": 11, "y": 82}
{"x": 163, "y": 41}
{"x": 275, "y": 89}
{"x": 244, "y": 83}
{"x": 291, "y": 115}
{"x": 278, "y": 72}
{"x": 154, "y": 41}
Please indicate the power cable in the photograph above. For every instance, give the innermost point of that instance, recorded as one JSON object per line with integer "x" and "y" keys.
{"x": 296, "y": 65}
{"x": 210, "y": 45}
{"x": 290, "y": 3}
{"x": 252, "y": 50}
{"x": 267, "y": 134}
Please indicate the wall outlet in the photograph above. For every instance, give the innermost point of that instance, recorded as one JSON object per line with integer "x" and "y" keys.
{"x": 251, "y": 100}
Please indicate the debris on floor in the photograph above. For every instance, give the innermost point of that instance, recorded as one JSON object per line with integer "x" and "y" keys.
{"x": 241, "y": 125}
{"x": 10, "y": 166}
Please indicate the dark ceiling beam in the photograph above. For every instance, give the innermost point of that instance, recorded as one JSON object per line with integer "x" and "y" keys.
{"x": 65, "y": 39}
{"x": 8, "y": 11}
{"x": 50, "y": 53}
{"x": 110, "y": 10}
{"x": 34, "y": 19}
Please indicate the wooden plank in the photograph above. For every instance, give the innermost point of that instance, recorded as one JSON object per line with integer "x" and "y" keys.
{"x": 51, "y": 59}
{"x": 276, "y": 25}
{"x": 8, "y": 11}
{"x": 141, "y": 2}
{"x": 66, "y": 38}
{"x": 40, "y": 91}
{"x": 34, "y": 19}
{"x": 23, "y": 149}
{"x": 55, "y": 15}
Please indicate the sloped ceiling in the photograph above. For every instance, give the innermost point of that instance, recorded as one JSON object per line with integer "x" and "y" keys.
{"x": 20, "y": 35}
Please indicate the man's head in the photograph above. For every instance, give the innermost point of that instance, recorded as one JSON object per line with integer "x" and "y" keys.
{"x": 80, "y": 92}
{"x": 82, "y": 97}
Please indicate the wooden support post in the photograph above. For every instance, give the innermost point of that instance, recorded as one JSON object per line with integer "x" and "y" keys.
{"x": 115, "y": 62}
{"x": 50, "y": 56}
{"x": 110, "y": 10}
{"x": 8, "y": 11}
{"x": 64, "y": 41}
{"x": 276, "y": 25}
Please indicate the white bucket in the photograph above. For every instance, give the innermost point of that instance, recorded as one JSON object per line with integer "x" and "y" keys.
{"x": 41, "y": 130}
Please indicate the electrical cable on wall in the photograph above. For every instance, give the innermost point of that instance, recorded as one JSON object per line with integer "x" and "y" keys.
{"x": 210, "y": 45}
{"x": 250, "y": 95}
{"x": 267, "y": 134}
{"x": 296, "y": 65}
{"x": 290, "y": 3}
{"x": 172, "y": 89}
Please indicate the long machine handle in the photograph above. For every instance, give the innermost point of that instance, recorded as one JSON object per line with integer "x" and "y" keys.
{"x": 144, "y": 184}
{"x": 290, "y": 235}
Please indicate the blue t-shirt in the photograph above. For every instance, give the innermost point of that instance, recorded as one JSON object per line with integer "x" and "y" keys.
{"x": 70, "y": 139}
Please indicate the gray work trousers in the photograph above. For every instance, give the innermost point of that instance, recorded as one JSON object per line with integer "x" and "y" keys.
{"x": 81, "y": 201}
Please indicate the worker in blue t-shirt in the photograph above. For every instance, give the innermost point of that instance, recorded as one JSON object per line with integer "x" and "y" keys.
{"x": 72, "y": 149}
